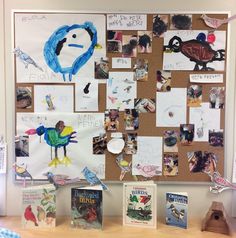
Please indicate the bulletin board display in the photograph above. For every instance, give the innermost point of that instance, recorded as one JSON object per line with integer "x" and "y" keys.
{"x": 129, "y": 96}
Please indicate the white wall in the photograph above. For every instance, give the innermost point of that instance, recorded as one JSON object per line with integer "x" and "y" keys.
{"x": 200, "y": 198}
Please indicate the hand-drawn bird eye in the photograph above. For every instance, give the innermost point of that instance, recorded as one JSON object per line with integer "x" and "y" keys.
{"x": 176, "y": 43}
{"x": 74, "y": 35}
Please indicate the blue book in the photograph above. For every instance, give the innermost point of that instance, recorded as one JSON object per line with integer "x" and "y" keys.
{"x": 177, "y": 209}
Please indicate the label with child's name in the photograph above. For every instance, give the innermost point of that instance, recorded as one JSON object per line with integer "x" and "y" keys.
{"x": 206, "y": 78}
{"x": 121, "y": 63}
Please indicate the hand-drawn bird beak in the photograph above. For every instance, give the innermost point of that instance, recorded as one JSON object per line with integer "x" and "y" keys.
{"x": 31, "y": 132}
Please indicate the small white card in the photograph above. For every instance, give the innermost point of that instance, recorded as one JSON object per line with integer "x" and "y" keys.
{"x": 206, "y": 78}
{"x": 3, "y": 158}
{"x": 121, "y": 63}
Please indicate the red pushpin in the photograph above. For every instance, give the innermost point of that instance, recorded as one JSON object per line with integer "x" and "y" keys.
{"x": 211, "y": 38}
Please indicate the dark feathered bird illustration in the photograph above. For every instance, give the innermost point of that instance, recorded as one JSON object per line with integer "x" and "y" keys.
{"x": 57, "y": 137}
{"x": 29, "y": 215}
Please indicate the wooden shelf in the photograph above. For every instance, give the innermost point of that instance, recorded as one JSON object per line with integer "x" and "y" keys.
{"x": 113, "y": 228}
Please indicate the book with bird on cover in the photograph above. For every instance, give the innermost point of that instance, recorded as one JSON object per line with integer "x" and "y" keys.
{"x": 86, "y": 207}
{"x": 177, "y": 209}
{"x": 39, "y": 206}
{"x": 139, "y": 204}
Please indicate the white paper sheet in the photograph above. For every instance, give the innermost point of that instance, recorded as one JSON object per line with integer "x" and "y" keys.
{"x": 149, "y": 153}
{"x": 171, "y": 108}
{"x": 178, "y": 61}
{"x": 3, "y": 158}
{"x": 81, "y": 154}
{"x": 121, "y": 63}
{"x": 53, "y": 98}
{"x": 126, "y": 22}
{"x": 206, "y": 78}
{"x": 204, "y": 119}
{"x": 86, "y": 95}
{"x": 121, "y": 90}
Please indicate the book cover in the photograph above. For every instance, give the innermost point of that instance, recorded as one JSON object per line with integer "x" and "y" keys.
{"x": 139, "y": 204}
{"x": 86, "y": 207}
{"x": 39, "y": 206}
{"x": 177, "y": 209}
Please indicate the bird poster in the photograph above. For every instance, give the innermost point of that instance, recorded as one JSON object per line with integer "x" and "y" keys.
{"x": 171, "y": 108}
{"x": 61, "y": 143}
{"x": 148, "y": 159}
{"x": 53, "y": 98}
{"x": 61, "y": 49}
{"x": 194, "y": 50}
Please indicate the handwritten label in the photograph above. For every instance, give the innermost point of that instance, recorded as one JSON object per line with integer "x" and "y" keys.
{"x": 126, "y": 22}
{"x": 3, "y": 158}
{"x": 121, "y": 63}
{"x": 206, "y": 78}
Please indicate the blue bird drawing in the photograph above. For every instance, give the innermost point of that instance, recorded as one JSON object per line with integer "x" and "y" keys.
{"x": 65, "y": 43}
{"x": 25, "y": 58}
{"x": 92, "y": 178}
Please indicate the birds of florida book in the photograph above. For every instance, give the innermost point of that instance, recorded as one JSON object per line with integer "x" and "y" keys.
{"x": 39, "y": 206}
{"x": 139, "y": 204}
{"x": 86, "y": 207}
{"x": 177, "y": 209}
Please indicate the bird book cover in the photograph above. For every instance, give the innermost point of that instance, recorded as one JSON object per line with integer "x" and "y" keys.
{"x": 177, "y": 209}
{"x": 86, "y": 207}
{"x": 39, "y": 206}
{"x": 139, "y": 204}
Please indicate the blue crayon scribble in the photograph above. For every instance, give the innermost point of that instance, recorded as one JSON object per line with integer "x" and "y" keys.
{"x": 57, "y": 41}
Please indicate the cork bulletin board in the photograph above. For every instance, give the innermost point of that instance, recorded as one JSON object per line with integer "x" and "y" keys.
{"x": 160, "y": 59}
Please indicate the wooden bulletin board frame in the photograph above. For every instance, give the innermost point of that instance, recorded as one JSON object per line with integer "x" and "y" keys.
{"x": 145, "y": 89}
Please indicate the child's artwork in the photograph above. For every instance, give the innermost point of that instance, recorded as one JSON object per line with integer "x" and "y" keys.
{"x": 217, "y": 97}
{"x": 160, "y": 25}
{"x": 143, "y": 105}
{"x": 144, "y": 42}
{"x": 24, "y": 98}
{"x": 190, "y": 50}
{"x": 170, "y": 141}
{"x": 202, "y": 161}
{"x": 61, "y": 143}
{"x": 204, "y": 119}
{"x": 111, "y": 122}
{"x": 86, "y": 95}
{"x": 171, "y": 108}
{"x": 194, "y": 95}
{"x": 180, "y": 22}
{"x": 62, "y": 46}
{"x": 101, "y": 68}
{"x": 216, "y": 138}
{"x": 163, "y": 81}
{"x": 121, "y": 90}
{"x": 99, "y": 144}
{"x": 129, "y": 45}
{"x": 131, "y": 144}
{"x": 22, "y": 146}
{"x": 140, "y": 69}
{"x": 170, "y": 164}
{"x": 186, "y": 134}
{"x": 131, "y": 119}
{"x": 53, "y": 98}
{"x": 114, "y": 41}
{"x": 148, "y": 159}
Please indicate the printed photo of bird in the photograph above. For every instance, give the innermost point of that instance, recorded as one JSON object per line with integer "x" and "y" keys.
{"x": 29, "y": 215}
{"x": 92, "y": 178}
{"x": 22, "y": 172}
{"x": 59, "y": 136}
{"x": 148, "y": 171}
{"x": 124, "y": 165}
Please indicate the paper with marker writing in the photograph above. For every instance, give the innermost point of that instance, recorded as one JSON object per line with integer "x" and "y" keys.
{"x": 3, "y": 158}
{"x": 122, "y": 63}
{"x": 206, "y": 78}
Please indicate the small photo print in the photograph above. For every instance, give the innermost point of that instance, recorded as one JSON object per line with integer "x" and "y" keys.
{"x": 216, "y": 138}
{"x": 101, "y": 68}
{"x": 180, "y": 22}
{"x": 160, "y": 25}
{"x": 217, "y": 97}
{"x": 99, "y": 144}
{"x": 170, "y": 141}
{"x": 22, "y": 146}
{"x": 163, "y": 81}
{"x": 129, "y": 47}
{"x": 114, "y": 41}
{"x": 194, "y": 96}
{"x": 202, "y": 161}
{"x": 131, "y": 144}
{"x": 24, "y": 97}
{"x": 170, "y": 162}
{"x": 144, "y": 42}
{"x": 141, "y": 70}
{"x": 143, "y": 105}
{"x": 186, "y": 134}
{"x": 111, "y": 120}
{"x": 131, "y": 119}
